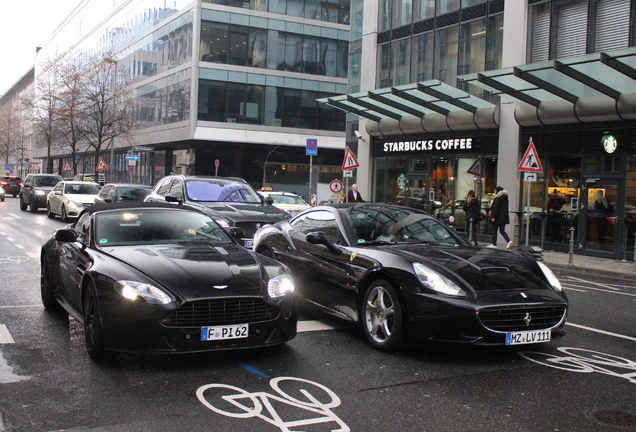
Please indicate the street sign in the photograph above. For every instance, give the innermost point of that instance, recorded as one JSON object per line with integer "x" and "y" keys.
{"x": 530, "y": 177}
{"x": 67, "y": 167}
{"x": 130, "y": 157}
{"x": 475, "y": 168}
{"x": 143, "y": 149}
{"x": 35, "y": 167}
{"x": 530, "y": 160}
{"x": 335, "y": 186}
{"x": 101, "y": 165}
{"x": 131, "y": 169}
{"x": 313, "y": 200}
{"x": 7, "y": 166}
{"x": 217, "y": 163}
{"x": 350, "y": 160}
{"x": 312, "y": 147}
{"x": 347, "y": 174}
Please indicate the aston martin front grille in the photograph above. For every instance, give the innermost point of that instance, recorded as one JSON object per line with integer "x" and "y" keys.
{"x": 221, "y": 311}
{"x": 521, "y": 318}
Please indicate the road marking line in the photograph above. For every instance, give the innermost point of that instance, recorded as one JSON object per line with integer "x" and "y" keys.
{"x": 307, "y": 326}
{"x": 32, "y": 255}
{"x": 19, "y": 246}
{"x": 14, "y": 215}
{"x": 11, "y": 239}
{"x": 592, "y": 329}
{"x": 5, "y": 336}
{"x": 593, "y": 283}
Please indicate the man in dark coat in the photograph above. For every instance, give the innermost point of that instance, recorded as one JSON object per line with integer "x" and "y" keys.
{"x": 500, "y": 217}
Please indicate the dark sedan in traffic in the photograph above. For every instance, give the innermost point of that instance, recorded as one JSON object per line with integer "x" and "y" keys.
{"x": 162, "y": 278}
{"x": 407, "y": 278}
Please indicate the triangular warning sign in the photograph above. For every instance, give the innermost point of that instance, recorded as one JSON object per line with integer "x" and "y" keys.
{"x": 475, "y": 168}
{"x": 101, "y": 165}
{"x": 35, "y": 167}
{"x": 67, "y": 167}
{"x": 530, "y": 160}
{"x": 350, "y": 160}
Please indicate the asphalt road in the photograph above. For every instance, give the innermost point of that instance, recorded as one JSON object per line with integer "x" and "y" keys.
{"x": 327, "y": 378}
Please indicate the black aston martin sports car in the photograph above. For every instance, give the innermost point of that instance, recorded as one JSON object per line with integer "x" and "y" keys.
{"x": 407, "y": 278}
{"x": 163, "y": 278}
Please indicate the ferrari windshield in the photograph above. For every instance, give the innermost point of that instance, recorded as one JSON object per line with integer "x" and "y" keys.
{"x": 150, "y": 226}
{"x": 395, "y": 224}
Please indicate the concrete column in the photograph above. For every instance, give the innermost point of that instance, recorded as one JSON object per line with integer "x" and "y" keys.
{"x": 514, "y": 54}
{"x": 367, "y": 82}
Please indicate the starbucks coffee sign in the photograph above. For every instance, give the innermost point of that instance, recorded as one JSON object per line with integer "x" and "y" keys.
{"x": 609, "y": 143}
{"x": 427, "y": 145}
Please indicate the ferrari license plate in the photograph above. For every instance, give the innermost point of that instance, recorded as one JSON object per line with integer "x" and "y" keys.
{"x": 527, "y": 337}
{"x": 224, "y": 332}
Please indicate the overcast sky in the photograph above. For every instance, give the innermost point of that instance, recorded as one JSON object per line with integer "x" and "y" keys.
{"x": 25, "y": 25}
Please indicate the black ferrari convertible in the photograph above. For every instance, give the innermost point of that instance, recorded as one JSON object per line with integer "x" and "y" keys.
{"x": 407, "y": 278}
{"x": 163, "y": 278}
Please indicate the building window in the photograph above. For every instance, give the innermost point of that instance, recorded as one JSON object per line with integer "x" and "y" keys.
{"x": 402, "y": 13}
{"x": 472, "y": 52}
{"x": 446, "y": 50}
{"x": 423, "y": 9}
{"x": 422, "y": 63}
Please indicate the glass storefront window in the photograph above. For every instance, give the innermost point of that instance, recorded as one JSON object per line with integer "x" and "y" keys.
{"x": 602, "y": 163}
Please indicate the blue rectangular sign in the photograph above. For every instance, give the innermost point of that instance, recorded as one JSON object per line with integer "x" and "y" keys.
{"x": 312, "y": 147}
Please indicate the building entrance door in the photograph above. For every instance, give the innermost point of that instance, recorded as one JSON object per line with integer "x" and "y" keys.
{"x": 415, "y": 192}
{"x": 601, "y": 202}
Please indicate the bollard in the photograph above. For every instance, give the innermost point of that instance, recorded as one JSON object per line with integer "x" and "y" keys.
{"x": 571, "y": 262}
{"x": 517, "y": 229}
{"x": 470, "y": 231}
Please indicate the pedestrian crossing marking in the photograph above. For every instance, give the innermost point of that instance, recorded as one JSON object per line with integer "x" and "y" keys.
{"x": 5, "y": 336}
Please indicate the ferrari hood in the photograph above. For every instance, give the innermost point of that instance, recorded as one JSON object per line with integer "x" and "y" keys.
{"x": 197, "y": 271}
{"x": 483, "y": 269}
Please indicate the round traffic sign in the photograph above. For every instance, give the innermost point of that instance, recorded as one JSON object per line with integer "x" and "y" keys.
{"x": 217, "y": 162}
{"x": 335, "y": 186}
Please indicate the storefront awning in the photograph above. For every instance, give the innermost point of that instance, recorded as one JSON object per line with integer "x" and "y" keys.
{"x": 592, "y": 88}
{"x": 423, "y": 106}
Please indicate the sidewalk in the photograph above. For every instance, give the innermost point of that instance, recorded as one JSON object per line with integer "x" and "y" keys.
{"x": 607, "y": 266}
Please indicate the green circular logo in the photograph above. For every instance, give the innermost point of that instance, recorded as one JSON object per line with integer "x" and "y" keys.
{"x": 609, "y": 143}
{"x": 401, "y": 181}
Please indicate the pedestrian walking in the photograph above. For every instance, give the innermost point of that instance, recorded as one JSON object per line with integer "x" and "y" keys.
{"x": 472, "y": 208}
{"x": 500, "y": 217}
{"x": 353, "y": 195}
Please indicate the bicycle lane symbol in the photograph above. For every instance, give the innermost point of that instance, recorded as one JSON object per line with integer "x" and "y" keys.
{"x": 251, "y": 404}
{"x": 585, "y": 361}
{"x": 14, "y": 259}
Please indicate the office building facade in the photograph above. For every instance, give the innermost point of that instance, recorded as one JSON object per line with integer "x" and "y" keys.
{"x": 463, "y": 94}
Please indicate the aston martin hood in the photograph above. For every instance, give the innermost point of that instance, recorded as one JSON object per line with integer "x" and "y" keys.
{"x": 197, "y": 270}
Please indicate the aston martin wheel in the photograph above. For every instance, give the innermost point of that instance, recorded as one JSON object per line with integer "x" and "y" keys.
{"x": 382, "y": 316}
{"x": 49, "y": 213}
{"x": 93, "y": 325}
{"x": 47, "y": 286}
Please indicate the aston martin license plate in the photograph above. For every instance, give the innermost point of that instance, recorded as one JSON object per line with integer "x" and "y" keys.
{"x": 236, "y": 331}
{"x": 527, "y": 337}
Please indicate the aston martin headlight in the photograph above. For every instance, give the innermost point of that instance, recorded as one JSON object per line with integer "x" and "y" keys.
{"x": 554, "y": 282}
{"x": 131, "y": 290}
{"x": 280, "y": 286}
{"x": 437, "y": 282}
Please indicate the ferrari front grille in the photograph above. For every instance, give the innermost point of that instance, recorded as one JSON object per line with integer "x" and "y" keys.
{"x": 512, "y": 319}
{"x": 220, "y": 311}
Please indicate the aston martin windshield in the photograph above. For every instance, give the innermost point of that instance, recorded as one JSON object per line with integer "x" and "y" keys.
{"x": 393, "y": 224}
{"x": 150, "y": 226}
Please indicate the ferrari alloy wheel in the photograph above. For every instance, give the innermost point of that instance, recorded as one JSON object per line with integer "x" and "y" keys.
{"x": 382, "y": 316}
{"x": 93, "y": 325}
{"x": 49, "y": 213}
{"x": 47, "y": 287}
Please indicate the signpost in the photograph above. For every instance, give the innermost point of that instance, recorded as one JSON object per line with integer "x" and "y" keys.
{"x": 311, "y": 150}
{"x": 530, "y": 164}
{"x": 217, "y": 163}
{"x": 348, "y": 164}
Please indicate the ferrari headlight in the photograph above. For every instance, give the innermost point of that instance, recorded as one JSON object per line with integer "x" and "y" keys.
{"x": 279, "y": 286}
{"x": 437, "y": 282}
{"x": 131, "y": 290}
{"x": 554, "y": 282}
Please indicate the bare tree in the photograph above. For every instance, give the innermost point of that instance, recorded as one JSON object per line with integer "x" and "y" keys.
{"x": 15, "y": 134}
{"x": 69, "y": 76}
{"x": 106, "y": 105}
